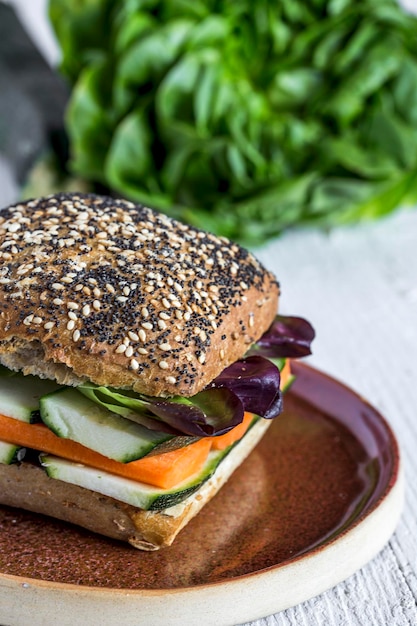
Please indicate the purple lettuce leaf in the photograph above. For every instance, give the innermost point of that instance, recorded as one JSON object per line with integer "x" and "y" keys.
{"x": 255, "y": 381}
{"x": 287, "y": 337}
{"x": 210, "y": 412}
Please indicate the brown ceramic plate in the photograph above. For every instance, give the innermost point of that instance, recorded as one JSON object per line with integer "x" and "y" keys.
{"x": 316, "y": 500}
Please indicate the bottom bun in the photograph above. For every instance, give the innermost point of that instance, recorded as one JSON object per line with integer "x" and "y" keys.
{"x": 26, "y": 486}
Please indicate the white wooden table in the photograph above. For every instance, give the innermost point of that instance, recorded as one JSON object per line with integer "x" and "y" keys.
{"x": 358, "y": 286}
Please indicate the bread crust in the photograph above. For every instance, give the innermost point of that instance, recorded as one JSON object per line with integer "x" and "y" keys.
{"x": 27, "y": 486}
{"x": 93, "y": 288}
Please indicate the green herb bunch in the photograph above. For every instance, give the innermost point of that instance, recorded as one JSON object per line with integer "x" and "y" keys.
{"x": 244, "y": 117}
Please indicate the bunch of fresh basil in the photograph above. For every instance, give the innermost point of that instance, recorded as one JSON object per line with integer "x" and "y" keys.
{"x": 245, "y": 117}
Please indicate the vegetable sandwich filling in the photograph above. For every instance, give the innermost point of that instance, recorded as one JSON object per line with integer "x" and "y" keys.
{"x": 146, "y": 451}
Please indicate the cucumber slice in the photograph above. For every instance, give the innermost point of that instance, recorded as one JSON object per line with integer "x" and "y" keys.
{"x": 71, "y": 415}
{"x": 10, "y": 453}
{"x": 19, "y": 398}
{"x": 126, "y": 490}
{"x": 20, "y": 395}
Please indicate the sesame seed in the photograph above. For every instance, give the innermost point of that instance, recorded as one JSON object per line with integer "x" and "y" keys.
{"x": 221, "y": 354}
{"x": 57, "y": 286}
{"x": 96, "y": 305}
{"x": 134, "y": 364}
{"x": 161, "y": 325}
{"x": 86, "y": 310}
{"x": 142, "y": 335}
{"x": 129, "y": 351}
{"x": 76, "y": 335}
{"x": 163, "y": 365}
{"x": 171, "y": 380}
{"x": 165, "y": 346}
{"x": 142, "y": 351}
{"x": 110, "y": 288}
{"x": 166, "y": 303}
{"x": 145, "y": 312}
{"x": 72, "y": 316}
{"x": 202, "y": 358}
{"x": 37, "y": 320}
{"x": 133, "y": 336}
{"x": 121, "y": 299}
{"x": 70, "y": 325}
{"x": 49, "y": 325}
{"x": 72, "y": 305}
{"x": 164, "y": 316}
{"x": 147, "y": 325}
{"x": 251, "y": 320}
{"x": 120, "y": 349}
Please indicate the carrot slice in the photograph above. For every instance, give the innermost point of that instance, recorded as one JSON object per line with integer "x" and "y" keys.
{"x": 221, "y": 442}
{"x": 285, "y": 374}
{"x": 164, "y": 470}
{"x": 171, "y": 468}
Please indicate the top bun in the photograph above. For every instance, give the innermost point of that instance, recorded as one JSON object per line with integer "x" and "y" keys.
{"x": 93, "y": 288}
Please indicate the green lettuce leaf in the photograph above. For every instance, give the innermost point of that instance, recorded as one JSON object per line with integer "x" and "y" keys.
{"x": 245, "y": 118}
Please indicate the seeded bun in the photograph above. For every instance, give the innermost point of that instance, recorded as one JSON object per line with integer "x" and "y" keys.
{"x": 98, "y": 289}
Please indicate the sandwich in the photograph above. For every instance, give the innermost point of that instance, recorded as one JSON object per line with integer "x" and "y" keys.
{"x": 142, "y": 359}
